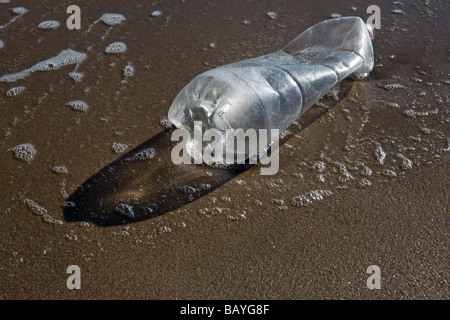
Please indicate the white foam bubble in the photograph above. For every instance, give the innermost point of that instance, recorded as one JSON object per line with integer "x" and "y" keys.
{"x": 15, "y": 91}
{"x": 37, "y": 209}
{"x": 366, "y": 171}
{"x": 225, "y": 198}
{"x": 393, "y": 105}
{"x": 240, "y": 216}
{"x": 1, "y": 44}
{"x": 64, "y": 58}
{"x": 112, "y": 19}
{"x": 156, "y": 13}
{"x": 24, "y": 152}
{"x": 165, "y": 122}
{"x": 414, "y": 113}
{"x": 116, "y": 47}
{"x": 380, "y": 154}
{"x": 128, "y": 71}
{"x": 50, "y": 24}
{"x": 60, "y": 170}
{"x": 19, "y": 10}
{"x": 425, "y": 130}
{"x": 5, "y": 1}
{"x": 310, "y": 197}
{"x": 78, "y": 105}
{"x": 164, "y": 229}
{"x": 118, "y": 147}
{"x": 145, "y": 154}
{"x": 318, "y": 166}
{"x": 365, "y": 182}
{"x": 393, "y": 86}
{"x": 76, "y": 76}
{"x": 40, "y": 211}
{"x": 272, "y": 15}
{"x": 277, "y": 201}
{"x": 389, "y": 173}
{"x": 345, "y": 177}
{"x": 125, "y": 210}
{"x": 406, "y": 164}
{"x": 398, "y": 11}
{"x": 69, "y": 204}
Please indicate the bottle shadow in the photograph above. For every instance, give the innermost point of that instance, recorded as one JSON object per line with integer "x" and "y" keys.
{"x": 145, "y": 183}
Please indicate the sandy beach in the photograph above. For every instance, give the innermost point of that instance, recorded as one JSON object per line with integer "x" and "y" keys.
{"x": 363, "y": 176}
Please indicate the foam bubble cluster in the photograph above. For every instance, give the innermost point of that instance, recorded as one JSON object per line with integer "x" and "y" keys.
{"x": 310, "y": 197}
{"x": 335, "y": 15}
{"x": 24, "y": 152}
{"x": 125, "y": 210}
{"x": 165, "y": 122}
{"x": 19, "y": 10}
{"x": 319, "y": 166}
{"x": 414, "y": 113}
{"x": 50, "y": 24}
{"x": 78, "y": 105}
{"x": 156, "y": 13}
{"x": 406, "y": 164}
{"x": 41, "y": 211}
{"x": 118, "y": 147}
{"x": 14, "y": 91}
{"x": 394, "y": 86}
{"x": 145, "y": 154}
{"x": 116, "y": 47}
{"x": 272, "y": 15}
{"x": 64, "y": 58}
{"x": 112, "y": 19}
{"x": 128, "y": 71}
{"x": 76, "y": 76}
{"x": 398, "y": 11}
{"x": 380, "y": 154}
{"x": 60, "y": 170}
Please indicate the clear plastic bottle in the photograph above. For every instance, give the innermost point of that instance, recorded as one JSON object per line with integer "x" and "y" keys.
{"x": 272, "y": 91}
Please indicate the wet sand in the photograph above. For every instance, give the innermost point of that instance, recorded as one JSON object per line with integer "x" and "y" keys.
{"x": 375, "y": 151}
